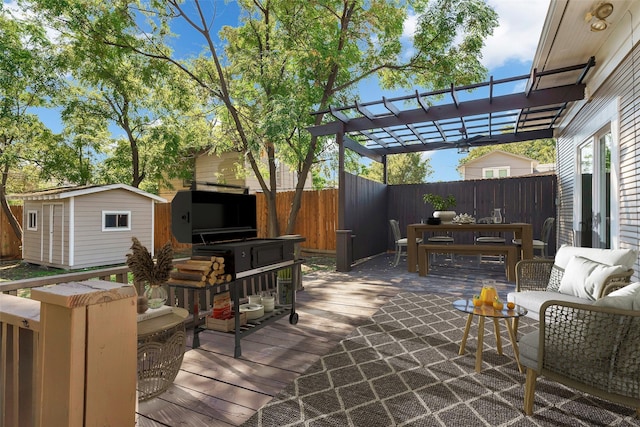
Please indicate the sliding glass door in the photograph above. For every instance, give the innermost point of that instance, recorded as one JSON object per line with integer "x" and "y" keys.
{"x": 595, "y": 192}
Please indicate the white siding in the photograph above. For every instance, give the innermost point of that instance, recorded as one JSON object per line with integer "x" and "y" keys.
{"x": 621, "y": 89}
{"x": 517, "y": 166}
{"x": 94, "y": 247}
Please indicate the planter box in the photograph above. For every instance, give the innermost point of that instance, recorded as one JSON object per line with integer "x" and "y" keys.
{"x": 227, "y": 325}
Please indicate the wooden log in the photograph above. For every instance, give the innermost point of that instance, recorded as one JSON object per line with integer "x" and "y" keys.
{"x": 203, "y": 258}
{"x": 185, "y": 267}
{"x": 198, "y": 262}
{"x": 182, "y": 275}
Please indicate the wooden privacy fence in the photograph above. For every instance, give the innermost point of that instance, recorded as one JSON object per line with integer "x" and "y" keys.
{"x": 317, "y": 219}
{"x": 9, "y": 242}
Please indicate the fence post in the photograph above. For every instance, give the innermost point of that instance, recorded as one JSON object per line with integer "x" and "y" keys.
{"x": 88, "y": 353}
{"x": 344, "y": 250}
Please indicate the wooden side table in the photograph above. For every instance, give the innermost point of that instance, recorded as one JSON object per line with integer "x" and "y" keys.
{"x": 161, "y": 344}
{"x": 466, "y": 306}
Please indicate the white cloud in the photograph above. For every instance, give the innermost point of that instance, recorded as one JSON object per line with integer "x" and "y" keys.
{"x": 516, "y": 37}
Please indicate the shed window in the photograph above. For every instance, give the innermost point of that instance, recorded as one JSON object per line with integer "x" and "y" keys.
{"x": 32, "y": 218}
{"x": 116, "y": 221}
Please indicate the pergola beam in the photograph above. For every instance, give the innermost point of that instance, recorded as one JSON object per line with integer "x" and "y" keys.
{"x": 494, "y": 140}
{"x": 536, "y": 98}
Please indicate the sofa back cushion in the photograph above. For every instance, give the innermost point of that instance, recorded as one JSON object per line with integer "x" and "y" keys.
{"x": 624, "y": 257}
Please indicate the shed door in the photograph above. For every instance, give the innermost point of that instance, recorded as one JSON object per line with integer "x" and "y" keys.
{"x": 53, "y": 234}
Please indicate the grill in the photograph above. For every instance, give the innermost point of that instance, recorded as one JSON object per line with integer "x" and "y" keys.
{"x": 219, "y": 223}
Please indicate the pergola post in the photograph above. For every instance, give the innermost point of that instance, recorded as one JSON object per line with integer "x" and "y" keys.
{"x": 344, "y": 246}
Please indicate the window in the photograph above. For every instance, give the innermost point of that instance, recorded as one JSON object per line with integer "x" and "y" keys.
{"x": 32, "y": 220}
{"x": 496, "y": 172}
{"x": 112, "y": 221}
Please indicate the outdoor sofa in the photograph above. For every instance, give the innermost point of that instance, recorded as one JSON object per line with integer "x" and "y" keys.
{"x": 594, "y": 348}
{"x": 576, "y": 275}
{"x": 589, "y": 323}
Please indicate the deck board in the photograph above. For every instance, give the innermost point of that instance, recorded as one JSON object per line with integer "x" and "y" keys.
{"x": 215, "y": 389}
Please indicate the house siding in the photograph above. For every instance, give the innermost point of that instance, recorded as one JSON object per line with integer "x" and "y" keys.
{"x": 518, "y": 167}
{"x": 94, "y": 247}
{"x": 619, "y": 88}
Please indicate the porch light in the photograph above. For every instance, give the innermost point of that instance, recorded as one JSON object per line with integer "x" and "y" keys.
{"x": 596, "y": 17}
{"x": 463, "y": 148}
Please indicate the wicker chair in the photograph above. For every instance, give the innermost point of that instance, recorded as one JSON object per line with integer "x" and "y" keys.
{"x": 590, "y": 348}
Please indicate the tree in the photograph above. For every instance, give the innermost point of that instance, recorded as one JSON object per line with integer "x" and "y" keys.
{"x": 409, "y": 168}
{"x": 150, "y": 107}
{"x": 542, "y": 150}
{"x": 288, "y": 58}
{"x": 27, "y": 78}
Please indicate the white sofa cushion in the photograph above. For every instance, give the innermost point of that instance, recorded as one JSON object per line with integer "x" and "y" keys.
{"x": 627, "y": 298}
{"x": 624, "y": 257}
{"x": 584, "y": 278}
{"x": 533, "y": 300}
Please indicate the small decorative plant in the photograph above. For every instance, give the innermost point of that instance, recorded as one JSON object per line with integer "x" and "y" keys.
{"x": 153, "y": 274}
{"x": 438, "y": 202}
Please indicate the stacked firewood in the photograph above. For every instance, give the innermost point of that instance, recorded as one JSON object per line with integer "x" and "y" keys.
{"x": 200, "y": 271}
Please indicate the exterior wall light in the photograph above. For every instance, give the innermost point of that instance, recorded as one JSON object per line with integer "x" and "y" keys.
{"x": 597, "y": 17}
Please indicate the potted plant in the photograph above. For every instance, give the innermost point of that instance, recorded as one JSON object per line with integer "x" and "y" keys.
{"x": 441, "y": 205}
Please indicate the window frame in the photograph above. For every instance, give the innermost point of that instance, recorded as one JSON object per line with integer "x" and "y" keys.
{"x": 116, "y": 228}
{"x": 32, "y": 226}
{"x": 496, "y": 172}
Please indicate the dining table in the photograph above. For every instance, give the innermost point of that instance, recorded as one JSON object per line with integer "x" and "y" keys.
{"x": 521, "y": 230}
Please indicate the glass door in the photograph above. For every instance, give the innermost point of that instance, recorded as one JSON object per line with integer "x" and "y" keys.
{"x": 595, "y": 181}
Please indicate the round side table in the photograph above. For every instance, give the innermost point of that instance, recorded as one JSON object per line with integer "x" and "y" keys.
{"x": 161, "y": 344}
{"x": 483, "y": 311}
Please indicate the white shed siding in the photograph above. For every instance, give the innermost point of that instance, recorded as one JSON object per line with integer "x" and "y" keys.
{"x": 95, "y": 247}
{"x": 31, "y": 238}
{"x": 620, "y": 89}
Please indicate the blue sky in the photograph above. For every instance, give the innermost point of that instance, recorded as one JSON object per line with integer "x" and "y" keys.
{"x": 509, "y": 52}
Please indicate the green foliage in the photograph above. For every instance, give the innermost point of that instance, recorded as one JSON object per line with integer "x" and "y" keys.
{"x": 408, "y": 168}
{"x": 542, "y": 150}
{"x": 260, "y": 80}
{"x": 438, "y": 202}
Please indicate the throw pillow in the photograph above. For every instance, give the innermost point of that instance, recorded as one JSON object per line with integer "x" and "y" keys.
{"x": 627, "y": 298}
{"x": 584, "y": 278}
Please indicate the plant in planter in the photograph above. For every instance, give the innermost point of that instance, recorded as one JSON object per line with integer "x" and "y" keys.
{"x": 440, "y": 205}
{"x": 152, "y": 274}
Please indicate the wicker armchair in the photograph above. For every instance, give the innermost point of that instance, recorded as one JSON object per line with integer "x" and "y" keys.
{"x": 593, "y": 349}
{"x": 535, "y": 275}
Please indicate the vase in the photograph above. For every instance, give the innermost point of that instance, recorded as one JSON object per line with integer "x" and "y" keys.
{"x": 156, "y": 295}
{"x": 497, "y": 216}
{"x": 445, "y": 216}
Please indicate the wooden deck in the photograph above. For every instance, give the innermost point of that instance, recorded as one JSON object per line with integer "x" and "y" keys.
{"x": 214, "y": 389}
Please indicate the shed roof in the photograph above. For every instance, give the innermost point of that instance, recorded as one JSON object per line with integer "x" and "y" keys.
{"x": 488, "y": 115}
{"x": 75, "y": 191}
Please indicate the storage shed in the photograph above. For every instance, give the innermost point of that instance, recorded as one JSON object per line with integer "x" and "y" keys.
{"x": 88, "y": 226}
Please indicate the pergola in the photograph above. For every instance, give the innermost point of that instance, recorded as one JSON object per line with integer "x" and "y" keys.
{"x": 486, "y": 116}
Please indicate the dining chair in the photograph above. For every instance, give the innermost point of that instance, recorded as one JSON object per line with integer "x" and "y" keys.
{"x": 490, "y": 239}
{"x": 440, "y": 238}
{"x": 541, "y": 245}
{"x": 400, "y": 242}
